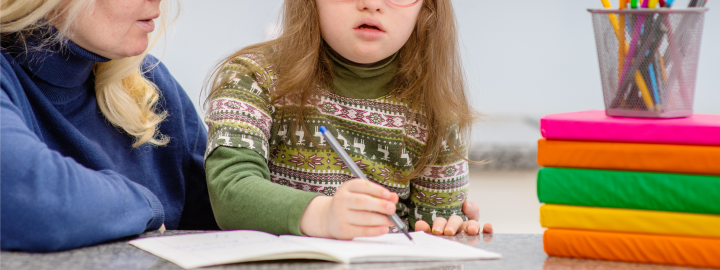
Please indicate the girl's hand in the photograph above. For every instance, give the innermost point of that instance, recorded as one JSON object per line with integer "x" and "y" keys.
{"x": 455, "y": 223}
{"x": 358, "y": 208}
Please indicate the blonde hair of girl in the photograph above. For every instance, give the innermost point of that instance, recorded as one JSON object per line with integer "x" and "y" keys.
{"x": 429, "y": 71}
{"x": 126, "y": 98}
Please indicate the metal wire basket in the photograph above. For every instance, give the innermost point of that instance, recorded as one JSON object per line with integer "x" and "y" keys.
{"x": 648, "y": 60}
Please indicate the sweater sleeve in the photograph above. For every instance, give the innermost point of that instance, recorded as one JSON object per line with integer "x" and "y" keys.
{"x": 50, "y": 202}
{"x": 243, "y": 197}
{"x": 441, "y": 188}
{"x": 240, "y": 120}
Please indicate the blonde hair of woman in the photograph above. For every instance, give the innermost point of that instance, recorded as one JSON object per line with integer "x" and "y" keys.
{"x": 126, "y": 98}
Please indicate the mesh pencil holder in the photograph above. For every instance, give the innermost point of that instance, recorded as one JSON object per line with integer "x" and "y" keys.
{"x": 648, "y": 60}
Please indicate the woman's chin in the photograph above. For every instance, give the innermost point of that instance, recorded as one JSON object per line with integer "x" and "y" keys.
{"x": 133, "y": 49}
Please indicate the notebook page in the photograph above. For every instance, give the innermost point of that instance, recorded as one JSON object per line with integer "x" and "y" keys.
{"x": 205, "y": 249}
{"x": 394, "y": 247}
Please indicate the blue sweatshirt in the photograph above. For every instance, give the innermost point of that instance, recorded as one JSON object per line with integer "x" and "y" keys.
{"x": 69, "y": 178}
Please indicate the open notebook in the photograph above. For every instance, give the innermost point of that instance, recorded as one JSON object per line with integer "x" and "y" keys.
{"x": 205, "y": 249}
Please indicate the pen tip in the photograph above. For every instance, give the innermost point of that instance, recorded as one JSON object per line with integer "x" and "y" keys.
{"x": 322, "y": 129}
{"x": 408, "y": 236}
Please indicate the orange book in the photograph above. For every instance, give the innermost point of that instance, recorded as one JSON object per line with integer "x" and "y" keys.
{"x": 631, "y": 247}
{"x": 671, "y": 158}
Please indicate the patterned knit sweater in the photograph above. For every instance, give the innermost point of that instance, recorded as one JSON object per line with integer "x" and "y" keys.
{"x": 372, "y": 131}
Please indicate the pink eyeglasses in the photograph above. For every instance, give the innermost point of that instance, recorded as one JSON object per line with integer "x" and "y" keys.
{"x": 397, "y": 3}
{"x": 403, "y": 3}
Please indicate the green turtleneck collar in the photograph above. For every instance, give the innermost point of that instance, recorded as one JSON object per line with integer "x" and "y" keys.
{"x": 363, "y": 82}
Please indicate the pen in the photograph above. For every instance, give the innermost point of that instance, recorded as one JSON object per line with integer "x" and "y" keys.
{"x": 359, "y": 174}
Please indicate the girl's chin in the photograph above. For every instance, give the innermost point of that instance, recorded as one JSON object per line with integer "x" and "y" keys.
{"x": 369, "y": 57}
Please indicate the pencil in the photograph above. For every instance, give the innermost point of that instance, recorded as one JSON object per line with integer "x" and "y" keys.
{"x": 619, "y": 34}
{"x": 622, "y": 50}
{"x": 613, "y": 19}
{"x": 662, "y": 67}
{"x": 359, "y": 174}
{"x": 644, "y": 90}
{"x": 626, "y": 73}
{"x": 658, "y": 77}
{"x": 638, "y": 57}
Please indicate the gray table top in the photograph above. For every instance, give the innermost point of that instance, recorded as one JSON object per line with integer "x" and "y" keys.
{"x": 519, "y": 251}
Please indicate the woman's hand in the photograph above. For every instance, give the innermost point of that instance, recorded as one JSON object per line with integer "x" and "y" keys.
{"x": 358, "y": 208}
{"x": 455, "y": 224}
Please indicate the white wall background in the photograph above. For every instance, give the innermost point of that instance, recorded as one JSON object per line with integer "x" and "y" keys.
{"x": 522, "y": 58}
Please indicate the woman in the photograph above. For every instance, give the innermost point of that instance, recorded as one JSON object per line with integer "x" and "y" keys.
{"x": 98, "y": 140}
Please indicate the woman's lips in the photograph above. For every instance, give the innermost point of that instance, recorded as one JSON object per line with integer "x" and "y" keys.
{"x": 369, "y": 33}
{"x": 148, "y": 25}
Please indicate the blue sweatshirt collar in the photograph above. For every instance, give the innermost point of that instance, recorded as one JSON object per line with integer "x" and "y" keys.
{"x": 64, "y": 65}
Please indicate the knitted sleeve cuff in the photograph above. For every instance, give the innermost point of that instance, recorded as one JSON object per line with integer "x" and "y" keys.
{"x": 158, "y": 212}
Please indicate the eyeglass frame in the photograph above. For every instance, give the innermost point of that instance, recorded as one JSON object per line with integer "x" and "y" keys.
{"x": 408, "y": 5}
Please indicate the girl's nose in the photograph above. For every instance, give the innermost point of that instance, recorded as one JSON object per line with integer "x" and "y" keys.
{"x": 370, "y": 5}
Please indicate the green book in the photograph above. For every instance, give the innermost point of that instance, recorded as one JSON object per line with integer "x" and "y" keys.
{"x": 627, "y": 189}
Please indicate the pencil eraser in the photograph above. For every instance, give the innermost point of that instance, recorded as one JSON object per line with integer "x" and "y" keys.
{"x": 323, "y": 129}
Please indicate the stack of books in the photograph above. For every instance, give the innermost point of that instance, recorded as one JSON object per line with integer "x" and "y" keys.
{"x": 631, "y": 189}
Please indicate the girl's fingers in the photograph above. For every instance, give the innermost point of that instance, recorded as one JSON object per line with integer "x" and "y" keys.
{"x": 471, "y": 210}
{"x": 365, "y": 218}
{"x": 453, "y": 225}
{"x": 369, "y": 188}
{"x": 421, "y": 225}
{"x": 487, "y": 228}
{"x": 472, "y": 227}
{"x": 463, "y": 227}
{"x": 439, "y": 226}
{"x": 363, "y": 202}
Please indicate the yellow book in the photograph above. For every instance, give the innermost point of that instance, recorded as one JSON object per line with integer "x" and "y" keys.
{"x": 629, "y": 220}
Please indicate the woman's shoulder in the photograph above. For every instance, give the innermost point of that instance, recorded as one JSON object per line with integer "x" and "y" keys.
{"x": 7, "y": 63}
{"x": 10, "y": 82}
{"x": 173, "y": 97}
{"x": 156, "y": 71}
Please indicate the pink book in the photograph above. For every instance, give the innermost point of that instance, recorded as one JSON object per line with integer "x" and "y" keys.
{"x": 594, "y": 125}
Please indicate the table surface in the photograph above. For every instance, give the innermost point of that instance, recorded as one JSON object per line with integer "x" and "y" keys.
{"x": 519, "y": 251}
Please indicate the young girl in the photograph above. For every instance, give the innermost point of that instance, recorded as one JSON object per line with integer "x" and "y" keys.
{"x": 384, "y": 76}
